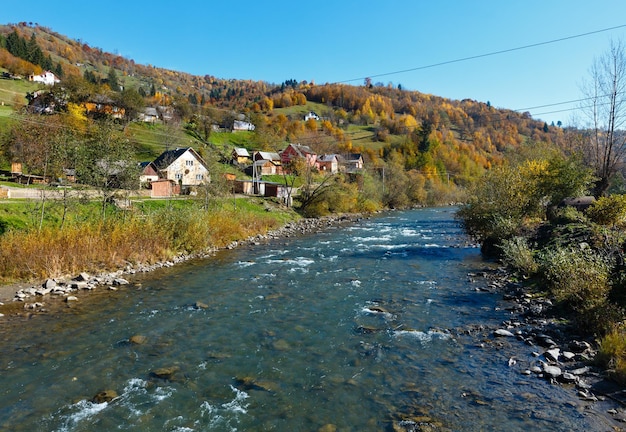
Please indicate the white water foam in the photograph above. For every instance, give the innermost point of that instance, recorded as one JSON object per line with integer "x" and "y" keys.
{"x": 83, "y": 410}
{"x": 226, "y": 415}
{"x": 422, "y": 337}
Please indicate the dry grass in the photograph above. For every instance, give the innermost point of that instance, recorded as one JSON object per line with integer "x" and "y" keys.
{"x": 98, "y": 247}
{"x": 612, "y": 354}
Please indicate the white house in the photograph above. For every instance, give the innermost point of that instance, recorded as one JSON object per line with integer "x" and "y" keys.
{"x": 47, "y": 78}
{"x": 311, "y": 115}
{"x": 240, "y": 125}
{"x": 184, "y": 166}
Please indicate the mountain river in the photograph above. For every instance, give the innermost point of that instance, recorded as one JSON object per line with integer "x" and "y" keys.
{"x": 356, "y": 328}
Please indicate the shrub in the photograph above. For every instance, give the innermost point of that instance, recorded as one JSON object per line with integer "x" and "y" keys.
{"x": 612, "y": 354}
{"x": 579, "y": 279}
{"x": 567, "y": 215}
{"x": 609, "y": 210}
{"x": 519, "y": 256}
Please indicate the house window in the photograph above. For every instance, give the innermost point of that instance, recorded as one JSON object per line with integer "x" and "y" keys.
{"x": 179, "y": 176}
{"x": 199, "y": 176}
{"x": 189, "y": 163}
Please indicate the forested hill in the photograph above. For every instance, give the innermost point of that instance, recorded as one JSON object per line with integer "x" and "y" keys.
{"x": 430, "y": 133}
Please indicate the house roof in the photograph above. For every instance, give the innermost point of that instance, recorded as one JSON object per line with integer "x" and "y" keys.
{"x": 240, "y": 151}
{"x": 328, "y": 158}
{"x": 168, "y": 157}
{"x": 268, "y": 156}
{"x": 301, "y": 150}
{"x": 352, "y": 157}
{"x": 151, "y": 111}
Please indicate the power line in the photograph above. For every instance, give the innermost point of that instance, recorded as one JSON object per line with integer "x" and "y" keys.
{"x": 493, "y": 53}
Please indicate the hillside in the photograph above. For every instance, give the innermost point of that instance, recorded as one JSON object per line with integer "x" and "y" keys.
{"x": 434, "y": 136}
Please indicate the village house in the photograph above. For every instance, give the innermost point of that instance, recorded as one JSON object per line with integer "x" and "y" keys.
{"x": 149, "y": 115}
{"x": 328, "y": 163}
{"x": 311, "y": 115}
{"x": 46, "y": 78}
{"x": 183, "y": 166}
{"x": 266, "y": 163}
{"x": 149, "y": 173}
{"x": 294, "y": 151}
{"x": 352, "y": 162}
{"x": 102, "y": 105}
{"x": 240, "y": 156}
{"x": 240, "y": 125}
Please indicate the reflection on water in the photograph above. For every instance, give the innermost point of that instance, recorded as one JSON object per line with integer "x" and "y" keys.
{"x": 354, "y": 328}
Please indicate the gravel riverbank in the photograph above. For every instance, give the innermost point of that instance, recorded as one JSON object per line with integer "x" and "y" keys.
{"x": 64, "y": 287}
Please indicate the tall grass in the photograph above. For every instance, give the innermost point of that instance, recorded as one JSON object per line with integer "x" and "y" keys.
{"x": 146, "y": 238}
{"x": 612, "y": 354}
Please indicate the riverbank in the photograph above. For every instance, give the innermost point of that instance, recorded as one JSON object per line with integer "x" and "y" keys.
{"x": 555, "y": 352}
{"x": 28, "y": 292}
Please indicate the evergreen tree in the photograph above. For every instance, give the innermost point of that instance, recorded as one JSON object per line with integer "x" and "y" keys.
{"x": 112, "y": 80}
{"x": 34, "y": 53}
{"x": 58, "y": 70}
{"x": 16, "y": 45}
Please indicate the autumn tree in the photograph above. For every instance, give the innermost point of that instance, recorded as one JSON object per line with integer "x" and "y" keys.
{"x": 105, "y": 161}
{"x": 605, "y": 115}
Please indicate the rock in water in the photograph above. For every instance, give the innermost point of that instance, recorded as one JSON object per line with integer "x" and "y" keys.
{"x": 138, "y": 339}
{"x": 104, "y": 396}
{"x": 552, "y": 371}
{"x": 503, "y": 333}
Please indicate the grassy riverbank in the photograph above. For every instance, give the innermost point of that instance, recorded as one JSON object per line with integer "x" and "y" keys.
{"x": 152, "y": 231}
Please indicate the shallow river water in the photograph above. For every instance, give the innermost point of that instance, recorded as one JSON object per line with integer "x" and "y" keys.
{"x": 352, "y": 329}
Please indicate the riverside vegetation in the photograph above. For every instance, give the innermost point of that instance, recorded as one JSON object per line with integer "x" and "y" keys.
{"x": 153, "y": 231}
{"x": 574, "y": 256}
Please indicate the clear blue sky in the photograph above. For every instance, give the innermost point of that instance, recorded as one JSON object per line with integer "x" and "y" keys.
{"x": 347, "y": 40}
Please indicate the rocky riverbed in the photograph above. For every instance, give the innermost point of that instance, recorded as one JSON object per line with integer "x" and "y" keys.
{"x": 551, "y": 350}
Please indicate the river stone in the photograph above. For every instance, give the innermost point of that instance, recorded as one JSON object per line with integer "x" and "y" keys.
{"x": 83, "y": 277}
{"x": 165, "y": 373}
{"x": 71, "y": 299}
{"x": 503, "y": 333}
{"x": 104, "y": 396}
{"x": 553, "y": 354}
{"x": 328, "y": 428}
{"x": 568, "y": 377}
{"x": 568, "y": 355}
{"x": 552, "y": 371}
{"x": 281, "y": 345}
{"x": 138, "y": 339}
{"x": 200, "y": 305}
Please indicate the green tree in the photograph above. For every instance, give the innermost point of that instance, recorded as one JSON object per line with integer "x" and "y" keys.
{"x": 132, "y": 102}
{"x": 113, "y": 81}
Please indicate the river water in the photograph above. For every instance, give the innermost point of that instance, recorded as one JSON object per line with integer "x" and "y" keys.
{"x": 357, "y": 328}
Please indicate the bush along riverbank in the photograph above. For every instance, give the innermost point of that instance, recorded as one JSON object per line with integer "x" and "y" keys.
{"x": 568, "y": 250}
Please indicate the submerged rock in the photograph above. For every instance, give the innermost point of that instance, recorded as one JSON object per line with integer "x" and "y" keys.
{"x": 165, "y": 373}
{"x": 138, "y": 339}
{"x": 104, "y": 396}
